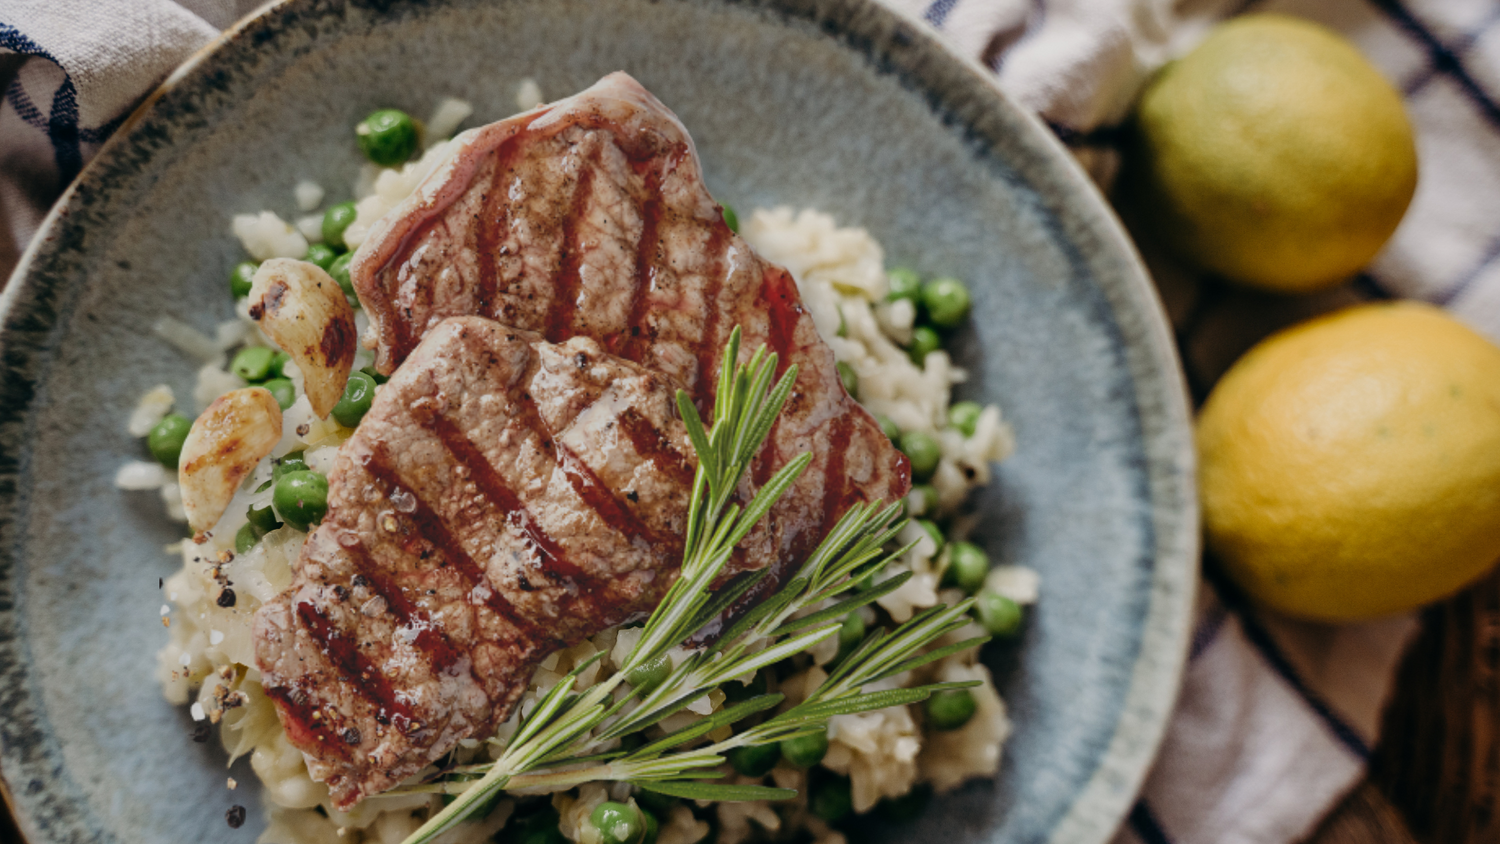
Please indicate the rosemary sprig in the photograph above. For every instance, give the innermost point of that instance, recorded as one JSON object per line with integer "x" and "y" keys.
{"x": 562, "y": 741}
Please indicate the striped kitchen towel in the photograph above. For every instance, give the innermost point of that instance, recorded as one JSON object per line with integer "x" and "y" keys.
{"x": 1276, "y": 718}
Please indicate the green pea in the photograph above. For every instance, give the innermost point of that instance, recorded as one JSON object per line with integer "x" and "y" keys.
{"x": 292, "y": 461}
{"x": 653, "y": 828}
{"x": 998, "y": 614}
{"x": 849, "y": 379}
{"x": 263, "y": 519}
{"x": 339, "y": 270}
{"x": 387, "y": 137}
{"x": 924, "y": 341}
{"x": 946, "y": 301}
{"x": 253, "y": 363}
{"x": 378, "y": 378}
{"x": 905, "y": 284}
{"x": 805, "y": 751}
{"x": 278, "y": 364}
{"x": 907, "y": 807}
{"x": 359, "y": 392}
{"x": 737, "y": 692}
{"x": 934, "y": 533}
{"x": 659, "y": 804}
{"x": 830, "y": 796}
{"x": 731, "y": 219}
{"x": 968, "y": 566}
{"x": 964, "y": 416}
{"x": 755, "y": 760}
{"x": 166, "y": 438}
{"x": 335, "y": 221}
{"x": 923, "y": 451}
{"x": 618, "y": 823}
{"x": 301, "y": 498}
{"x": 539, "y": 828}
{"x": 245, "y": 538}
{"x": 888, "y": 427}
{"x": 240, "y": 279}
{"x": 651, "y": 673}
{"x": 284, "y": 391}
{"x": 851, "y": 633}
{"x": 949, "y": 709}
{"x": 922, "y": 500}
{"x": 321, "y": 254}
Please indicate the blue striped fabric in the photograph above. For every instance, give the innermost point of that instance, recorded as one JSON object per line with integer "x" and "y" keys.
{"x": 61, "y": 120}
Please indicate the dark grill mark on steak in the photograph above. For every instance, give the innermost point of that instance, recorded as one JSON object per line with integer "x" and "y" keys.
{"x": 565, "y": 291}
{"x": 783, "y": 309}
{"x": 302, "y": 730}
{"x": 494, "y": 487}
{"x": 835, "y": 482}
{"x": 429, "y": 639}
{"x": 430, "y": 528}
{"x": 602, "y": 500}
{"x": 343, "y": 652}
{"x": 646, "y": 256}
{"x": 649, "y": 443}
{"x": 709, "y": 354}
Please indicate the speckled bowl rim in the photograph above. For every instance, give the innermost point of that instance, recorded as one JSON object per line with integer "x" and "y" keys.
{"x": 927, "y": 62}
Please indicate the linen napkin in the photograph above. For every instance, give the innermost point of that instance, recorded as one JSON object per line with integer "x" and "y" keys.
{"x": 1276, "y": 718}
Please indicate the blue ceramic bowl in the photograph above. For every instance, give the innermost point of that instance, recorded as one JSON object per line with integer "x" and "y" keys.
{"x": 836, "y": 104}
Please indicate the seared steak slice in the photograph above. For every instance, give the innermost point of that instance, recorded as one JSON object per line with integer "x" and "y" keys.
{"x": 589, "y": 217}
{"x": 503, "y": 497}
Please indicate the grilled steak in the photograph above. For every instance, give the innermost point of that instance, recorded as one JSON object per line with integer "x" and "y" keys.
{"x": 503, "y": 497}
{"x": 590, "y": 218}
{"x": 515, "y": 489}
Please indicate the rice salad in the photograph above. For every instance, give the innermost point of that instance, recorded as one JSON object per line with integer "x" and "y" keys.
{"x": 873, "y": 319}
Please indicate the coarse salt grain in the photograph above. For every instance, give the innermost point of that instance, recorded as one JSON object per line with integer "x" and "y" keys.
{"x": 197, "y": 712}
{"x": 166, "y": 610}
{"x": 215, "y": 637}
{"x": 185, "y": 660}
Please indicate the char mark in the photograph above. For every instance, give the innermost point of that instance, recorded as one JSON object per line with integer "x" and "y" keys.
{"x": 564, "y": 305}
{"x": 343, "y": 654}
{"x": 652, "y": 445}
{"x": 549, "y": 551}
{"x": 611, "y": 510}
{"x": 430, "y": 527}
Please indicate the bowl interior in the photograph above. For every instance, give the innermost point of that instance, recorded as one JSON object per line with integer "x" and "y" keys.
{"x": 837, "y": 106}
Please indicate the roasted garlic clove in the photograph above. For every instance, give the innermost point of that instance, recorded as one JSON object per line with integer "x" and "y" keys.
{"x": 303, "y": 310}
{"x": 224, "y": 445}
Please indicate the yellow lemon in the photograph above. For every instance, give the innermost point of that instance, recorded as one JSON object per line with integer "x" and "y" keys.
{"x": 1350, "y": 466}
{"x": 1273, "y": 154}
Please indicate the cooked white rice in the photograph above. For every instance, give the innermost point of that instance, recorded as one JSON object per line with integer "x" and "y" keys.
{"x": 209, "y": 659}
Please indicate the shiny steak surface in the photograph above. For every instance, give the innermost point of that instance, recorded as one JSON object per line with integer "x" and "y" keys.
{"x": 503, "y": 497}
{"x": 589, "y": 218}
